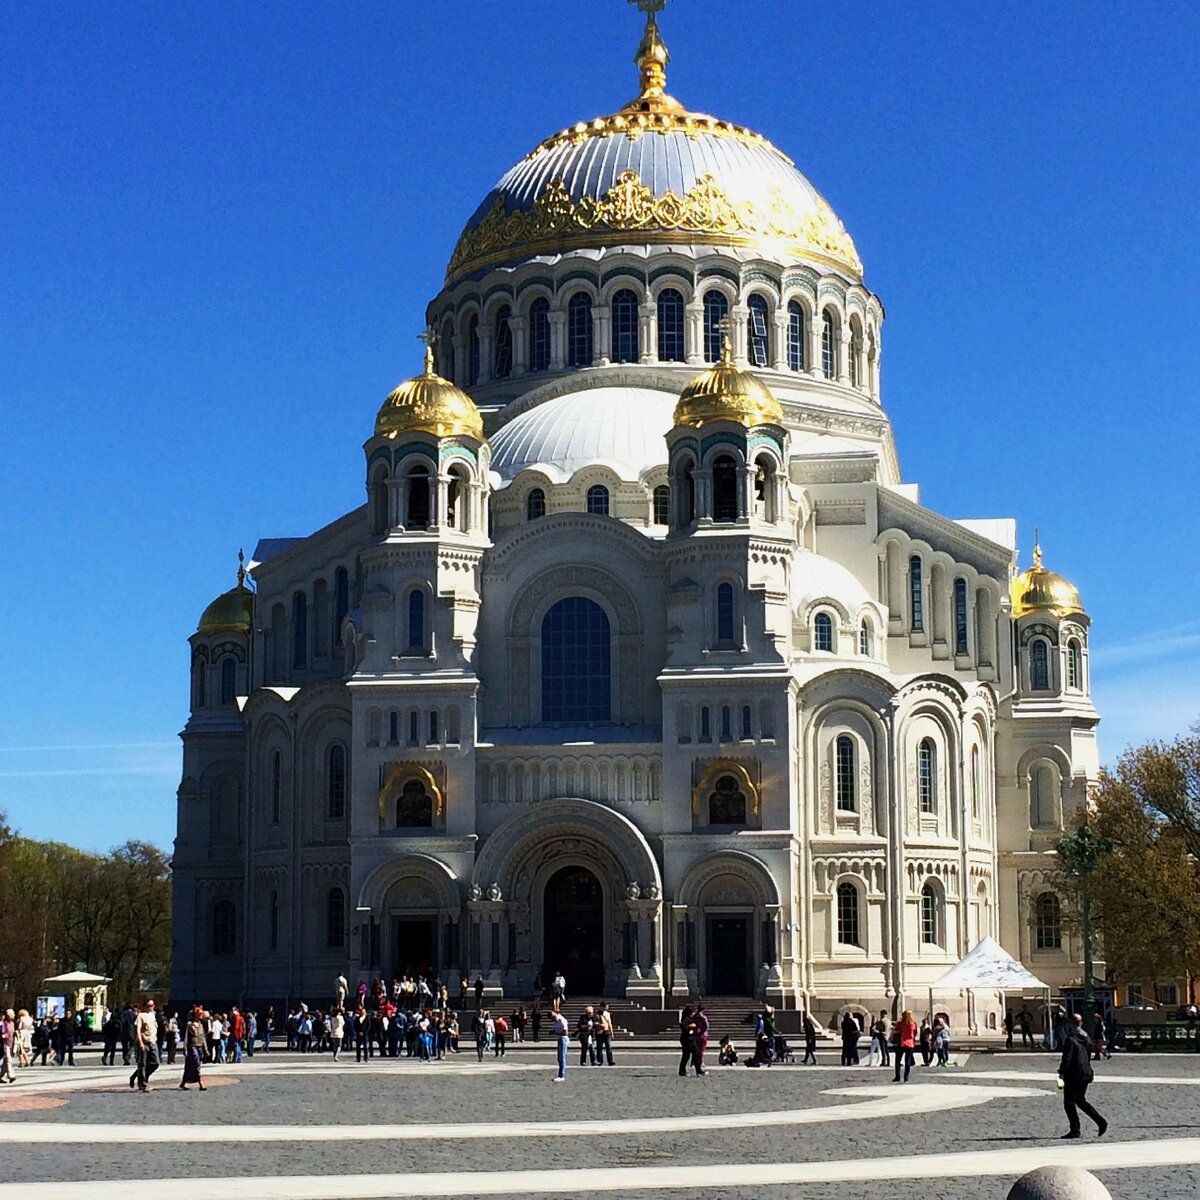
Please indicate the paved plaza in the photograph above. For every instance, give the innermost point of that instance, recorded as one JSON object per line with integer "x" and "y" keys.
{"x": 291, "y": 1127}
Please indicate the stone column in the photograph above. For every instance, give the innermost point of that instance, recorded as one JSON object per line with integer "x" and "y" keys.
{"x": 741, "y": 334}
{"x": 703, "y": 479}
{"x": 815, "y": 357}
{"x": 744, "y": 476}
{"x": 648, "y": 333}
{"x": 518, "y": 326}
{"x": 460, "y": 358}
{"x": 779, "y": 339}
{"x": 558, "y": 339}
{"x": 843, "y": 353}
{"x": 601, "y": 335}
{"x": 485, "y": 354}
{"x": 693, "y": 333}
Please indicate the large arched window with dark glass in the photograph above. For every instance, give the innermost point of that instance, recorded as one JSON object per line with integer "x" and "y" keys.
{"x": 579, "y": 330}
{"x": 686, "y": 482}
{"x": 597, "y": 500}
{"x": 847, "y": 915}
{"x": 416, "y": 621}
{"x": 625, "y": 347}
{"x": 1074, "y": 665}
{"x": 716, "y": 309}
{"x": 377, "y": 497}
{"x": 1047, "y": 921}
{"x": 661, "y": 502}
{"x": 828, "y": 345}
{"x": 726, "y": 802}
{"x": 539, "y": 334}
{"x": 796, "y": 336}
{"x": 335, "y": 783}
{"x": 414, "y": 806}
{"x": 758, "y": 344}
{"x": 725, "y": 613}
{"x": 916, "y": 592}
{"x": 725, "y": 489}
{"x": 1039, "y": 665}
{"x": 576, "y": 662}
{"x": 864, "y": 639}
{"x": 418, "y": 497}
{"x": 927, "y": 776}
{"x": 931, "y": 915}
{"x": 228, "y": 680}
{"x": 458, "y": 509}
{"x": 502, "y": 346}
{"x": 341, "y": 602}
{"x": 335, "y": 919}
{"x": 845, "y": 783}
{"x": 224, "y": 927}
{"x": 299, "y": 630}
{"x": 960, "y": 616}
{"x": 472, "y": 351}
{"x": 823, "y": 633}
{"x": 670, "y": 326}
{"x": 535, "y": 504}
{"x": 445, "y": 352}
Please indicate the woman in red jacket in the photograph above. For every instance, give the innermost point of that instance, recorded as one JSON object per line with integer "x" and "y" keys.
{"x": 906, "y": 1041}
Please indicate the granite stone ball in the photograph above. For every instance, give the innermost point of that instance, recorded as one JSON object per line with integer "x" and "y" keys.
{"x": 1059, "y": 1183}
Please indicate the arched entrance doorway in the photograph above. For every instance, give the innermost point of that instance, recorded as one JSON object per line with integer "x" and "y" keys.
{"x": 574, "y": 925}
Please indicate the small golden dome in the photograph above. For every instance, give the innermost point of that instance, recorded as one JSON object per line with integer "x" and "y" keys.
{"x": 429, "y": 404}
{"x": 1038, "y": 590}
{"x": 726, "y": 393}
{"x": 231, "y": 612}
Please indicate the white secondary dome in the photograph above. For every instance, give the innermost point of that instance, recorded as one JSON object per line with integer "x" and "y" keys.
{"x": 815, "y": 577}
{"x": 623, "y": 428}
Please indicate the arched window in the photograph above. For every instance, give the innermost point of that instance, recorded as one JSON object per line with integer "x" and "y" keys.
{"x": 625, "y": 327}
{"x": 597, "y": 499}
{"x": 419, "y": 507}
{"x": 960, "y": 616}
{"x": 758, "y": 343}
{"x": 828, "y": 345}
{"x": 539, "y": 334}
{"x": 199, "y": 683}
{"x": 1039, "y": 665}
{"x": 864, "y": 639}
{"x": 725, "y": 614}
{"x": 228, "y": 680}
{"x": 927, "y": 776}
{"x": 916, "y": 593}
{"x": 823, "y": 632}
{"x": 976, "y": 782}
{"x": 576, "y": 662}
{"x": 414, "y": 806}
{"x": 393, "y": 727}
{"x": 434, "y": 727}
{"x": 1074, "y": 666}
{"x": 416, "y": 620}
{"x": 705, "y": 724}
{"x": 414, "y": 719}
{"x": 747, "y": 723}
{"x": 845, "y": 782}
{"x": 662, "y": 504}
{"x": 378, "y": 499}
{"x": 726, "y": 803}
{"x": 224, "y": 927}
{"x": 299, "y": 630}
{"x": 670, "y": 326}
{"x": 764, "y": 488}
{"x": 931, "y": 915}
{"x": 847, "y": 915}
{"x": 273, "y": 921}
{"x": 796, "y": 336}
{"x": 683, "y": 722}
{"x": 725, "y": 489}
{"x": 276, "y": 787}
{"x": 1047, "y": 922}
{"x": 335, "y": 919}
{"x": 502, "y": 346}
{"x": 473, "y": 351}
{"x": 1043, "y": 797}
{"x": 341, "y": 602}
{"x": 579, "y": 330}
{"x": 716, "y": 309}
{"x": 335, "y": 783}
{"x": 726, "y": 723}
{"x": 687, "y": 493}
{"x": 535, "y": 504}
{"x": 453, "y": 727}
{"x": 445, "y": 352}
{"x": 457, "y": 511}
{"x": 855, "y": 353}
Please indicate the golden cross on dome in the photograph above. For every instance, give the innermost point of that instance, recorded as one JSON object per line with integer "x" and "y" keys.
{"x": 725, "y": 326}
{"x": 429, "y": 336}
{"x": 652, "y": 57}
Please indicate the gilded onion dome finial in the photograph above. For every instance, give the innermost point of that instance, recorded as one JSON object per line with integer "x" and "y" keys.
{"x": 726, "y": 393}
{"x": 652, "y": 58}
{"x": 427, "y": 403}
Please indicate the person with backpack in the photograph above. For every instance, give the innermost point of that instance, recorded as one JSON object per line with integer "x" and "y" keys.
{"x": 1075, "y": 1071}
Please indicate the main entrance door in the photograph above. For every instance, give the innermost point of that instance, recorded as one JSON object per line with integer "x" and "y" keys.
{"x": 574, "y": 931}
{"x": 414, "y": 946}
{"x": 728, "y": 952}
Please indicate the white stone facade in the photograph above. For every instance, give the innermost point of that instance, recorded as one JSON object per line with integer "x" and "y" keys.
{"x": 393, "y": 782}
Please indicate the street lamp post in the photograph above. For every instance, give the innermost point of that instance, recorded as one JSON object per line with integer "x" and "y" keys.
{"x": 1081, "y": 855}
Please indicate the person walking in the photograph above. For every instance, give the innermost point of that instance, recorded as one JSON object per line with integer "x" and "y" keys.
{"x": 1100, "y": 1038}
{"x": 145, "y": 1047}
{"x": 193, "y": 1050}
{"x": 1075, "y": 1071}
{"x": 64, "y": 1039}
{"x": 700, "y": 1020}
{"x": 24, "y": 1038}
{"x": 810, "y": 1040}
{"x": 906, "y": 1042}
{"x": 478, "y": 992}
{"x": 558, "y": 988}
{"x": 125, "y": 1027}
{"x": 1009, "y": 1027}
{"x": 8, "y": 1035}
{"x": 337, "y": 1031}
{"x": 884, "y": 1028}
{"x": 562, "y": 1038}
{"x": 687, "y": 1039}
{"x": 1025, "y": 1019}
{"x": 501, "y": 1045}
{"x": 109, "y": 1030}
{"x": 604, "y": 1035}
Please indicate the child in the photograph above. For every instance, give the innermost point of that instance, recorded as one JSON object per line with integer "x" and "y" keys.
{"x": 728, "y": 1055}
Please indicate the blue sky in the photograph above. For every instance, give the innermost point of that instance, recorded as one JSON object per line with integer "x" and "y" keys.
{"x": 220, "y": 224}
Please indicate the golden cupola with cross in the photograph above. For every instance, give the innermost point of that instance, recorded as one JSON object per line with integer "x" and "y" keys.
{"x": 725, "y": 392}
{"x": 1040, "y": 590}
{"x": 427, "y": 403}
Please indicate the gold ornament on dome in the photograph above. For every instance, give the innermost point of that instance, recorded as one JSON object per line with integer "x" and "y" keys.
{"x": 726, "y": 393}
{"x": 1039, "y": 590}
{"x": 231, "y": 612}
{"x": 555, "y": 222}
{"x": 429, "y": 404}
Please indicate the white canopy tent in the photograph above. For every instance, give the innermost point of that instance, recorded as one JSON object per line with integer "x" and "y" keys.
{"x": 82, "y": 986}
{"x": 988, "y": 966}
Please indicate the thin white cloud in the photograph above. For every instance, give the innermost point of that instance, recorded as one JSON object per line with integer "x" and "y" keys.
{"x": 59, "y": 772}
{"x": 1149, "y": 647}
{"x": 75, "y": 749}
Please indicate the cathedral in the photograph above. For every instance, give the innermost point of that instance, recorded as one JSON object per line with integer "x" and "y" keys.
{"x": 640, "y": 661}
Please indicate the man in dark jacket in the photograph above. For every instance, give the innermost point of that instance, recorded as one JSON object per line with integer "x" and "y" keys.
{"x": 126, "y": 1024}
{"x": 64, "y": 1039}
{"x": 1075, "y": 1070}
